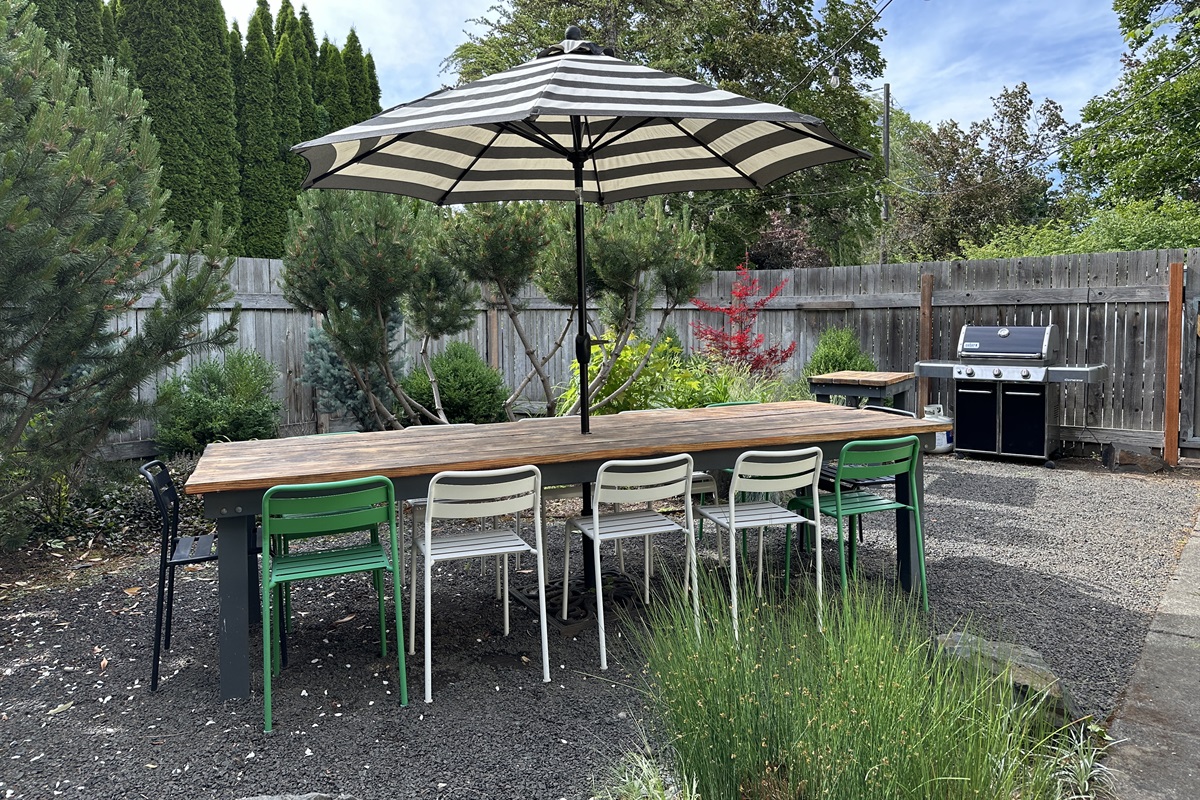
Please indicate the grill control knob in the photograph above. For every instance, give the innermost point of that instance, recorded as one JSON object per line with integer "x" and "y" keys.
{"x": 997, "y": 372}
{"x": 1024, "y": 373}
{"x": 970, "y": 372}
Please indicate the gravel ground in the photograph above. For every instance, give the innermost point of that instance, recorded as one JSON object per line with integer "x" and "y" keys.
{"x": 1071, "y": 562}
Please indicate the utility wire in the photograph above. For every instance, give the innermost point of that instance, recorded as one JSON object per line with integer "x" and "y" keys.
{"x": 836, "y": 52}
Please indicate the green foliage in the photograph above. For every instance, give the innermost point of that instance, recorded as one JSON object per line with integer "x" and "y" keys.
{"x": 703, "y": 381}
{"x": 1134, "y": 225}
{"x": 219, "y": 400}
{"x": 471, "y": 391}
{"x": 362, "y": 259}
{"x": 837, "y": 349}
{"x": 265, "y": 201}
{"x": 332, "y": 89}
{"x": 358, "y": 83}
{"x": 337, "y": 390}
{"x": 657, "y": 385}
{"x": 869, "y": 708}
{"x": 82, "y": 239}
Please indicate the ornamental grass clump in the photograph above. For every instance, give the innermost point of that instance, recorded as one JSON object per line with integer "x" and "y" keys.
{"x": 868, "y": 709}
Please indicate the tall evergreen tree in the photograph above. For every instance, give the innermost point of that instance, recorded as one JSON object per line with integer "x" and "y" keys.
{"x": 264, "y": 206}
{"x": 89, "y": 37}
{"x": 373, "y": 79}
{"x": 217, "y": 104}
{"x": 287, "y": 119}
{"x": 164, "y": 50}
{"x": 108, "y": 30}
{"x": 236, "y": 55}
{"x": 47, "y": 19}
{"x": 357, "y": 80}
{"x": 333, "y": 88}
{"x": 304, "y": 81}
{"x": 283, "y": 21}
{"x": 263, "y": 11}
{"x": 310, "y": 37}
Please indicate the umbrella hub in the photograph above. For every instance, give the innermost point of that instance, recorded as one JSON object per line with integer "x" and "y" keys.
{"x": 574, "y": 43}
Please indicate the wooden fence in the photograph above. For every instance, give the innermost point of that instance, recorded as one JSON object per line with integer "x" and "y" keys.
{"x": 1111, "y": 308}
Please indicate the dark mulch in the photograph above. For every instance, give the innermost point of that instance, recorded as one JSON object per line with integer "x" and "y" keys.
{"x": 1071, "y": 562}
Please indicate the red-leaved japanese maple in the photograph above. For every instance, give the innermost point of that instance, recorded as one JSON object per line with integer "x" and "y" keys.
{"x": 735, "y": 341}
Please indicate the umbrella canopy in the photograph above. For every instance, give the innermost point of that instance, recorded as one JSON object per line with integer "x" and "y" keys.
{"x": 575, "y": 123}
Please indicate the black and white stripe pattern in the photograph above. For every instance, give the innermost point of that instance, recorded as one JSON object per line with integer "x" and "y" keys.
{"x": 511, "y": 136}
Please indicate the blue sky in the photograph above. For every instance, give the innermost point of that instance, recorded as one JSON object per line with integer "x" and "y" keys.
{"x": 946, "y": 58}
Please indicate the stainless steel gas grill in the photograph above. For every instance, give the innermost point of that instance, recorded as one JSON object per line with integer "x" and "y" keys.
{"x": 1003, "y": 400}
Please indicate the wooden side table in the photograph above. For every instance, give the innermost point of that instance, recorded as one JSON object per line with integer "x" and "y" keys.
{"x": 855, "y": 385}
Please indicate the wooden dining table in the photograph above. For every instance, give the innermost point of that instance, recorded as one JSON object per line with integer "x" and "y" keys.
{"x": 232, "y": 476}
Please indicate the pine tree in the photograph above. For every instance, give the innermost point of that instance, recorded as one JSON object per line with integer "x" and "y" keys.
{"x": 287, "y": 120}
{"x": 373, "y": 79}
{"x": 263, "y": 201}
{"x": 82, "y": 235}
{"x": 358, "y": 82}
{"x": 333, "y": 91}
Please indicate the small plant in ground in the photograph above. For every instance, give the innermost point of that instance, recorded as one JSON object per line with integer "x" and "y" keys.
{"x": 1079, "y": 770}
{"x": 229, "y": 400}
{"x": 471, "y": 391}
{"x": 703, "y": 381}
{"x": 869, "y": 709}
{"x": 837, "y": 349}
{"x": 336, "y": 388}
{"x": 735, "y": 341}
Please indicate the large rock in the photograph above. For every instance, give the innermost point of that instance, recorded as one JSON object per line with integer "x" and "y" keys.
{"x": 1128, "y": 457}
{"x": 1027, "y": 669}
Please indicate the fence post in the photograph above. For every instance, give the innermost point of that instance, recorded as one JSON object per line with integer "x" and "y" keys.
{"x": 925, "y": 339}
{"x": 1174, "y": 363}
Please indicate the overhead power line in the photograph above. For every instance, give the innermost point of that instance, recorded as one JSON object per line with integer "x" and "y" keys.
{"x": 836, "y": 52}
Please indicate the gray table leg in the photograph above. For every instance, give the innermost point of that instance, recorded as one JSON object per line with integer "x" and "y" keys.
{"x": 235, "y": 578}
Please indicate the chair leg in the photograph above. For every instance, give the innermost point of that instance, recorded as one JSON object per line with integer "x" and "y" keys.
{"x": 412, "y": 601}
{"x": 566, "y": 573}
{"x": 647, "y": 569}
{"x": 505, "y": 570}
{"x": 733, "y": 587}
{"x": 158, "y": 624}
{"x": 378, "y": 581}
{"x": 397, "y": 599}
{"x": 600, "y": 608}
{"x": 170, "y": 606}
{"x": 842, "y": 558}
{"x": 541, "y": 570}
{"x": 268, "y": 656}
{"x": 621, "y": 556}
{"x": 428, "y": 630}
{"x": 759, "y": 577}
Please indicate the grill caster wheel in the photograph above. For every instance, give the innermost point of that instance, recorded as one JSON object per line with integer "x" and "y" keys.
{"x": 1050, "y": 465}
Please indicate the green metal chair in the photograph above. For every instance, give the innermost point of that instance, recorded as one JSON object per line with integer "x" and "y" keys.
{"x": 868, "y": 460}
{"x": 335, "y": 510}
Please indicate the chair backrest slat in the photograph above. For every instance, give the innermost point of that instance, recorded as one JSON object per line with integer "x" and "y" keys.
{"x": 317, "y": 509}
{"x": 166, "y": 499}
{"x": 769, "y": 471}
{"x": 643, "y": 481}
{"x": 484, "y": 493}
{"x": 877, "y": 458}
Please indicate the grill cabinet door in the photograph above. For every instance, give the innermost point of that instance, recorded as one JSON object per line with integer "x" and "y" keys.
{"x": 976, "y": 416}
{"x": 1023, "y": 423}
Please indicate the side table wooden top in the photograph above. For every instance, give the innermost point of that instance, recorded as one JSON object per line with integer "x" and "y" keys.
{"x": 853, "y": 377}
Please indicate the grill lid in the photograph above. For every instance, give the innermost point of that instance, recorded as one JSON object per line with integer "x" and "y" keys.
{"x": 1023, "y": 344}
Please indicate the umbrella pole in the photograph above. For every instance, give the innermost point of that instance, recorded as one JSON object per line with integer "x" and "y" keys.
{"x": 583, "y": 340}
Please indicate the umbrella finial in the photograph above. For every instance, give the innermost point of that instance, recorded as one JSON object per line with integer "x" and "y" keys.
{"x": 574, "y": 33}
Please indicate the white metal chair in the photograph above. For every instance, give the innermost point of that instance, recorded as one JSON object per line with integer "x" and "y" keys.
{"x": 484, "y": 495}
{"x": 769, "y": 472}
{"x": 640, "y": 481}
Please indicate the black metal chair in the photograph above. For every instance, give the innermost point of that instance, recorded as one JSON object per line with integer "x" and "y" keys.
{"x": 174, "y": 551}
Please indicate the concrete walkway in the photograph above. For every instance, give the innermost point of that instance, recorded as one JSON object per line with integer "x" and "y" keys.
{"x": 1159, "y": 716}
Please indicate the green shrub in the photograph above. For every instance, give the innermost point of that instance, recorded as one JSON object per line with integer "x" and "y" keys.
{"x": 471, "y": 391}
{"x": 837, "y": 349}
{"x": 655, "y": 386}
{"x": 704, "y": 380}
{"x": 869, "y": 708}
{"x": 230, "y": 400}
{"x": 337, "y": 391}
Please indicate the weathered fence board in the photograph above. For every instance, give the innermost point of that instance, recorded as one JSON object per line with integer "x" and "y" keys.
{"x": 1110, "y": 308}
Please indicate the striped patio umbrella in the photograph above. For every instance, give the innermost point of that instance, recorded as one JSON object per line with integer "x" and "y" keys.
{"x": 575, "y": 123}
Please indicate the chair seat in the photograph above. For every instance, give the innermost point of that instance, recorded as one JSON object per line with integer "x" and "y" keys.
{"x": 475, "y": 544}
{"x": 324, "y": 563}
{"x": 757, "y": 514}
{"x": 859, "y": 501}
{"x": 829, "y": 477}
{"x": 625, "y": 524}
{"x": 194, "y": 549}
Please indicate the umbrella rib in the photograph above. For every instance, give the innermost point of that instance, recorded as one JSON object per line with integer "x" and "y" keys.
{"x": 715, "y": 154}
{"x": 535, "y": 135}
{"x": 359, "y": 157}
{"x": 463, "y": 172}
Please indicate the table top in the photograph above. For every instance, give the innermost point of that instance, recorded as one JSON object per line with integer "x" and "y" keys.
{"x": 853, "y": 377}
{"x": 425, "y": 450}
